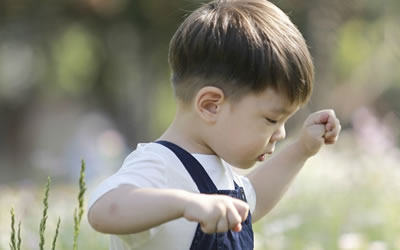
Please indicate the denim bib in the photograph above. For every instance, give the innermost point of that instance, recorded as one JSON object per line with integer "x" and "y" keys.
{"x": 230, "y": 240}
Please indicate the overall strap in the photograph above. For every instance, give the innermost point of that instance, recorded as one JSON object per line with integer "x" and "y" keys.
{"x": 193, "y": 166}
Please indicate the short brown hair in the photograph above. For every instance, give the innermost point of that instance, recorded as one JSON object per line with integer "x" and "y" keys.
{"x": 241, "y": 47}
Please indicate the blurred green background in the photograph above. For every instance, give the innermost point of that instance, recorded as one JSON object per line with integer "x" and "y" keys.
{"x": 89, "y": 79}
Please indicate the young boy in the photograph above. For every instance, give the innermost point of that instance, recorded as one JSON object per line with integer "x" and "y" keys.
{"x": 240, "y": 70}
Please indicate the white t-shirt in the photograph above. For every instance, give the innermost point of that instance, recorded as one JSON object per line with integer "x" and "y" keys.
{"x": 154, "y": 165}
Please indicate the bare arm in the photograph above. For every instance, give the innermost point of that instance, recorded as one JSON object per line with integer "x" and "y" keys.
{"x": 128, "y": 209}
{"x": 272, "y": 178}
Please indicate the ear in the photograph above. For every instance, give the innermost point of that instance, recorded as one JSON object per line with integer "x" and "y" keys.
{"x": 208, "y": 103}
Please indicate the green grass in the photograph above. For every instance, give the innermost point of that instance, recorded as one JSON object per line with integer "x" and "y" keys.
{"x": 78, "y": 212}
{"x": 341, "y": 200}
{"x": 53, "y": 245}
{"x": 345, "y": 198}
{"x": 42, "y": 227}
{"x": 15, "y": 238}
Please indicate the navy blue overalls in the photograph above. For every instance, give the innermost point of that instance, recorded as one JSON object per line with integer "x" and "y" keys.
{"x": 230, "y": 240}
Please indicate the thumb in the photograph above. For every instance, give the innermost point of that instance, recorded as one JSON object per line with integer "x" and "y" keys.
{"x": 317, "y": 130}
{"x": 316, "y": 118}
{"x": 237, "y": 228}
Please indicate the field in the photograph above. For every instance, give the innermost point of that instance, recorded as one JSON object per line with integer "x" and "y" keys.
{"x": 346, "y": 198}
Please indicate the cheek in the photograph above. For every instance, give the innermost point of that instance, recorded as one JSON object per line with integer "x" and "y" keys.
{"x": 235, "y": 131}
{"x": 242, "y": 136}
{"x": 244, "y": 141}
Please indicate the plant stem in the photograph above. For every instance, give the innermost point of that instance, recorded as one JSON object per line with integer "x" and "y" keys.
{"x": 78, "y": 213}
{"x": 12, "y": 238}
{"x": 44, "y": 217}
{"x": 56, "y": 234}
{"x": 19, "y": 237}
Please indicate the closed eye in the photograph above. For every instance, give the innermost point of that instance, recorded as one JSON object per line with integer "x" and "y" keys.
{"x": 271, "y": 121}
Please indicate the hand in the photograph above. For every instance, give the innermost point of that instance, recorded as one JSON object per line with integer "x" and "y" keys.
{"x": 320, "y": 128}
{"x": 216, "y": 213}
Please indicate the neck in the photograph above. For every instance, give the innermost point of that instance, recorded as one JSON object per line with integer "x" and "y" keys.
{"x": 186, "y": 132}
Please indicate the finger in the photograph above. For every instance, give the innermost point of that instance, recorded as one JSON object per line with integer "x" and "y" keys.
{"x": 210, "y": 224}
{"x": 333, "y": 133}
{"x": 222, "y": 225}
{"x": 330, "y": 135}
{"x": 234, "y": 219}
{"x": 332, "y": 123}
{"x": 237, "y": 228}
{"x": 203, "y": 227}
{"x": 317, "y": 131}
{"x": 317, "y": 118}
{"x": 242, "y": 208}
{"x": 208, "y": 227}
{"x": 321, "y": 117}
{"x": 330, "y": 141}
{"x": 324, "y": 116}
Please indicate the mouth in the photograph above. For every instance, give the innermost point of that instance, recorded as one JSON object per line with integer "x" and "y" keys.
{"x": 263, "y": 156}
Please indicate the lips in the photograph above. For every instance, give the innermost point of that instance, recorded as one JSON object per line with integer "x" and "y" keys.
{"x": 261, "y": 157}
{"x": 264, "y": 156}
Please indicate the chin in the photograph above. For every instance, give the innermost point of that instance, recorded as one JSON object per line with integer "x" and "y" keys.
{"x": 246, "y": 165}
{"x": 241, "y": 164}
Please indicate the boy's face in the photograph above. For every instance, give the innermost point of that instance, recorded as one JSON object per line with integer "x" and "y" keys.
{"x": 247, "y": 131}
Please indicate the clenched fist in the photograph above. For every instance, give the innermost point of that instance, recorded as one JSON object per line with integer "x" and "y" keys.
{"x": 319, "y": 128}
{"x": 216, "y": 213}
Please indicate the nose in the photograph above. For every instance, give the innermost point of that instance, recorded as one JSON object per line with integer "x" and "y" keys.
{"x": 279, "y": 134}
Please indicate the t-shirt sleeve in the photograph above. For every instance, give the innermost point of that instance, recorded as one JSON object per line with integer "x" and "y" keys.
{"x": 141, "y": 168}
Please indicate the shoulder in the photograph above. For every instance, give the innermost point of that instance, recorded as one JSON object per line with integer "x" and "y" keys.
{"x": 148, "y": 157}
{"x": 151, "y": 159}
{"x": 148, "y": 152}
{"x": 150, "y": 165}
{"x": 147, "y": 166}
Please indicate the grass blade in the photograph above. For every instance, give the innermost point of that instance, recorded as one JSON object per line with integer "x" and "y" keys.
{"x": 12, "y": 238}
{"x": 78, "y": 213}
{"x": 19, "y": 237}
{"x": 44, "y": 217}
{"x": 56, "y": 234}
